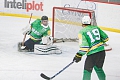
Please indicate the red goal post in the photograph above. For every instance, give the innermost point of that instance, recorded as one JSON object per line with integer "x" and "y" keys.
{"x": 66, "y": 22}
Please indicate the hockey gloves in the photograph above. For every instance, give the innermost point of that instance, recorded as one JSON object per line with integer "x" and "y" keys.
{"x": 77, "y": 57}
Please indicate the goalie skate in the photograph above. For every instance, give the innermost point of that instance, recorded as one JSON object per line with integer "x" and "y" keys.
{"x": 23, "y": 50}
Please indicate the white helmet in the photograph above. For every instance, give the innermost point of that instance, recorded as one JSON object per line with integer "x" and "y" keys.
{"x": 86, "y": 20}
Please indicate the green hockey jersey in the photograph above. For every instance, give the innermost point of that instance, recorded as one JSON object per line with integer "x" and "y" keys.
{"x": 38, "y": 31}
{"x": 91, "y": 40}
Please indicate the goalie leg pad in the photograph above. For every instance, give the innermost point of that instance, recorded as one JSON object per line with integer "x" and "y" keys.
{"x": 46, "y": 49}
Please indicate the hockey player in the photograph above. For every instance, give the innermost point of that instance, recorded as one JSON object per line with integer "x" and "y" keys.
{"x": 37, "y": 30}
{"x": 91, "y": 40}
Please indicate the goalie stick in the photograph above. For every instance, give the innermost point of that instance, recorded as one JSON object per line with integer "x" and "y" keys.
{"x": 50, "y": 78}
{"x": 26, "y": 33}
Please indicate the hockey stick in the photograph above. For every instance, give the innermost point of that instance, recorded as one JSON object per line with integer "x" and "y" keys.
{"x": 50, "y": 78}
{"x": 26, "y": 33}
{"x": 107, "y": 47}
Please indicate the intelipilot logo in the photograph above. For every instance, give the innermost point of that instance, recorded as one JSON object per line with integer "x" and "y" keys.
{"x": 24, "y": 5}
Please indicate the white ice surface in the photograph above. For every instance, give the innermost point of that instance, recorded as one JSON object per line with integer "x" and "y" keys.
{"x": 27, "y": 66}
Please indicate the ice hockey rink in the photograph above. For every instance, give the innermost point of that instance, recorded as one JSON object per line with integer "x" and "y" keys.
{"x": 16, "y": 65}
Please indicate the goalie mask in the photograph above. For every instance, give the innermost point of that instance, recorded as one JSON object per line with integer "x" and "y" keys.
{"x": 44, "y": 20}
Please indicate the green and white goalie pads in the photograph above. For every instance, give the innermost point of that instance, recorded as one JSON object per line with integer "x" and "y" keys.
{"x": 46, "y": 49}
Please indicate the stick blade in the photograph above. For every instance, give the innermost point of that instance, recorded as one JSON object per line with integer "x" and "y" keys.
{"x": 107, "y": 47}
{"x": 44, "y": 76}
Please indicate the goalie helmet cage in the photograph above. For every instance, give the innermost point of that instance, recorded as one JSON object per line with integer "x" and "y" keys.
{"x": 66, "y": 22}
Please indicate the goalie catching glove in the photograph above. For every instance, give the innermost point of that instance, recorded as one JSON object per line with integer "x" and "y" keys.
{"x": 47, "y": 40}
{"x": 77, "y": 57}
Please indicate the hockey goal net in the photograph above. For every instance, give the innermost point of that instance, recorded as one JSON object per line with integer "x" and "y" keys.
{"x": 66, "y": 22}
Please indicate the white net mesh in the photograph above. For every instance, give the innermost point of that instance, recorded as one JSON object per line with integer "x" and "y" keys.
{"x": 67, "y": 22}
